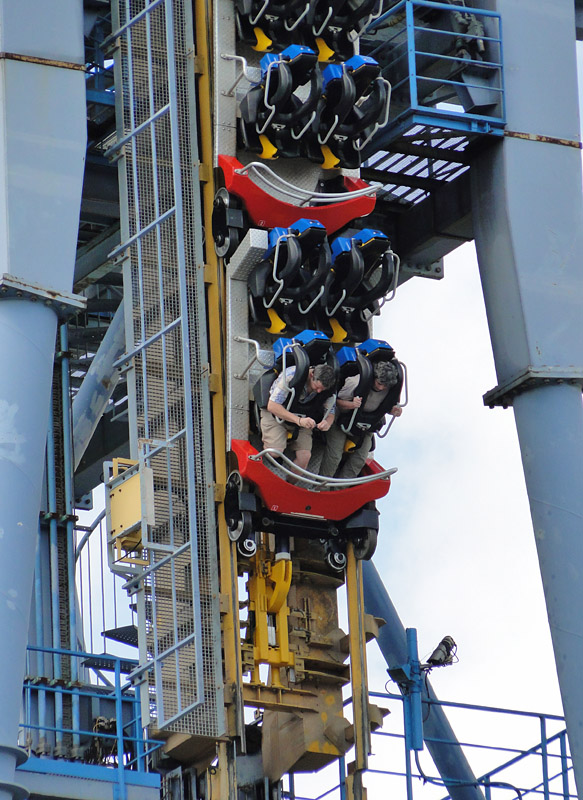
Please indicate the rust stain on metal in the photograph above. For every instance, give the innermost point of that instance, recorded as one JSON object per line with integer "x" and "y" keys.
{"x": 20, "y": 286}
{"x": 536, "y": 137}
{"x": 46, "y": 62}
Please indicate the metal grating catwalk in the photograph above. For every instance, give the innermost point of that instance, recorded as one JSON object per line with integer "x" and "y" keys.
{"x": 417, "y": 162}
{"x": 166, "y": 338}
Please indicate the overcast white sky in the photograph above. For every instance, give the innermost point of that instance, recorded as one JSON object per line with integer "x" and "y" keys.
{"x": 456, "y": 549}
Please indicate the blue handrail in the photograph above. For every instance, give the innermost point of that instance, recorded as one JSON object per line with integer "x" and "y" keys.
{"x": 414, "y": 97}
{"x": 547, "y": 765}
{"x": 128, "y": 737}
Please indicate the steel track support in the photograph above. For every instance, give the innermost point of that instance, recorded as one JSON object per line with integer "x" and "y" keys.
{"x": 441, "y": 741}
{"x": 98, "y": 386}
{"x": 41, "y": 176}
{"x": 215, "y": 297}
{"x": 358, "y": 668}
{"x": 528, "y": 208}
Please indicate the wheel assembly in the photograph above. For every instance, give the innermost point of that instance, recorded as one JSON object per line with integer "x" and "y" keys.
{"x": 228, "y": 223}
{"x": 336, "y": 560}
{"x": 365, "y": 545}
{"x": 247, "y": 546}
{"x": 240, "y": 526}
{"x": 239, "y": 518}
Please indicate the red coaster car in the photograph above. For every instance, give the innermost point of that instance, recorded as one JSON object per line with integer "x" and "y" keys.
{"x": 258, "y": 499}
{"x": 242, "y": 201}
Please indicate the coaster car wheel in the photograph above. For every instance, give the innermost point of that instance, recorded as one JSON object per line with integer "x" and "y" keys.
{"x": 335, "y": 554}
{"x": 239, "y": 521}
{"x": 228, "y": 223}
{"x": 240, "y": 526}
{"x": 365, "y": 545}
{"x": 247, "y": 546}
{"x": 336, "y": 560}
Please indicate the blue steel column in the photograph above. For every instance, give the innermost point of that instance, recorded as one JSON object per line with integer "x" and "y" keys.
{"x": 42, "y": 146}
{"x": 439, "y": 736}
{"x": 528, "y": 212}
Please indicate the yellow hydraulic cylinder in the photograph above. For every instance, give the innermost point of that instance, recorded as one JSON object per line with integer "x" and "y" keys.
{"x": 268, "y": 589}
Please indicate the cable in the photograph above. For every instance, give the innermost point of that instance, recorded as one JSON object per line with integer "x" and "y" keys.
{"x": 102, "y": 594}
{"x": 90, "y": 597}
{"x": 428, "y": 704}
{"x": 114, "y": 602}
{"x": 455, "y": 782}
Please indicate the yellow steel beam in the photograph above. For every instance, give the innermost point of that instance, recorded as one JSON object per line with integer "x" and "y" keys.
{"x": 227, "y": 771}
{"x": 279, "y": 698}
{"x": 358, "y": 671}
{"x": 216, "y": 317}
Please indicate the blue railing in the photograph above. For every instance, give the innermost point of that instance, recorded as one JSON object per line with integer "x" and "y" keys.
{"x": 127, "y": 747}
{"x": 448, "y": 72}
{"x": 541, "y": 769}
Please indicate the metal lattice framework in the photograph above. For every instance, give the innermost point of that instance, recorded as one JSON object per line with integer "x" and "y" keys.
{"x": 166, "y": 340}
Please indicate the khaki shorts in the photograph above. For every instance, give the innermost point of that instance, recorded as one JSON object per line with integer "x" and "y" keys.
{"x": 274, "y": 434}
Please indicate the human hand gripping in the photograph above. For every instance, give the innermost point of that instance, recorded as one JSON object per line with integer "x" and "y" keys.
{"x": 307, "y": 422}
{"x": 325, "y": 424}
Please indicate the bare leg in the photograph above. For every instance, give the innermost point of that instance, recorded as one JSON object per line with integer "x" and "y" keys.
{"x": 302, "y": 458}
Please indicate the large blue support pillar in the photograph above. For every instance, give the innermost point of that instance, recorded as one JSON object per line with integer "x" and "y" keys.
{"x": 528, "y": 215}
{"x": 440, "y": 739}
{"x": 42, "y": 148}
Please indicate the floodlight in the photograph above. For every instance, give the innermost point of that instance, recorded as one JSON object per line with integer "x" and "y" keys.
{"x": 443, "y": 653}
